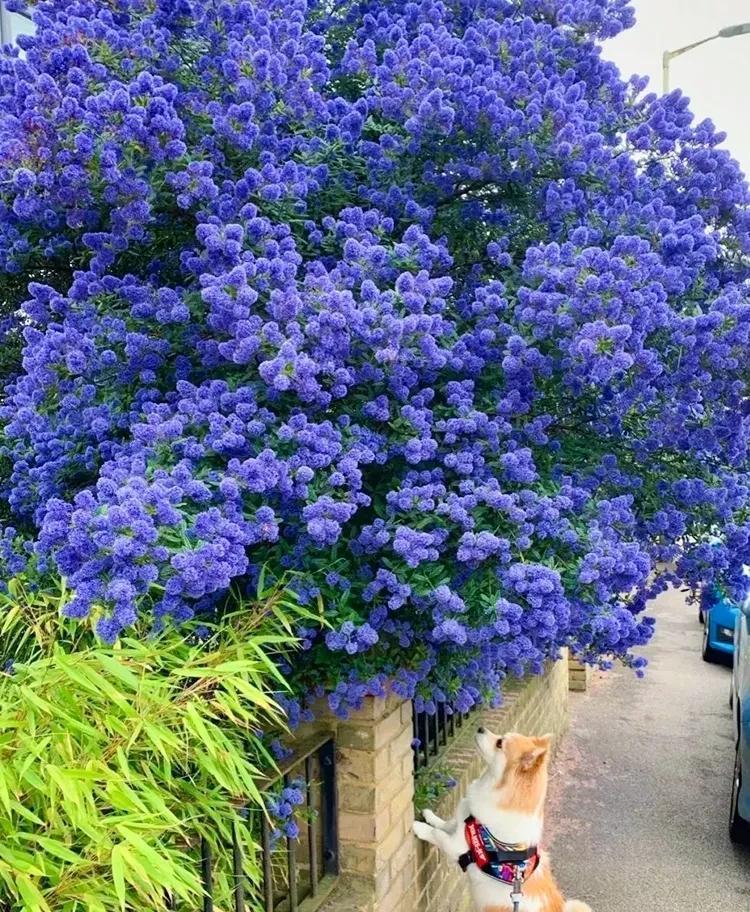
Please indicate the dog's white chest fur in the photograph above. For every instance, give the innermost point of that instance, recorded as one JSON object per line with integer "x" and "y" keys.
{"x": 510, "y": 826}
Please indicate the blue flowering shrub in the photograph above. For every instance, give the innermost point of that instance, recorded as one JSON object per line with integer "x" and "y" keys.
{"x": 420, "y": 301}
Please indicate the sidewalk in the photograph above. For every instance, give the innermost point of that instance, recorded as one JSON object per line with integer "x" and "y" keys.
{"x": 639, "y": 798}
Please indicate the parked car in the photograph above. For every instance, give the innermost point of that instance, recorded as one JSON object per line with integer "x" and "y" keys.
{"x": 739, "y": 817}
{"x": 718, "y": 614}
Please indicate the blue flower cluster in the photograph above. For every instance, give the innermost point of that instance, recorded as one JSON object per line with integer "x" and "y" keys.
{"x": 419, "y": 302}
{"x": 281, "y": 808}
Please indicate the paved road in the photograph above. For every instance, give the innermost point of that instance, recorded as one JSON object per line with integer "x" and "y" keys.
{"x": 637, "y": 818}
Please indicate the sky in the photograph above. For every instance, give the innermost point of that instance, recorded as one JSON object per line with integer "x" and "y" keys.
{"x": 716, "y": 77}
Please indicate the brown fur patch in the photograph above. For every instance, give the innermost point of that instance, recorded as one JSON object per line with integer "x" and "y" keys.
{"x": 541, "y": 886}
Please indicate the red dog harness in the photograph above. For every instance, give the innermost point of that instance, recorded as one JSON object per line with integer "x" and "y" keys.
{"x": 511, "y": 864}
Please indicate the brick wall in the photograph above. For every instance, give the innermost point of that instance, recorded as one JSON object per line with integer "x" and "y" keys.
{"x": 383, "y": 867}
{"x": 375, "y": 784}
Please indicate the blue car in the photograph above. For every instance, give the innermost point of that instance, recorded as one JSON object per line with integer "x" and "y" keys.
{"x": 718, "y": 615}
{"x": 739, "y": 817}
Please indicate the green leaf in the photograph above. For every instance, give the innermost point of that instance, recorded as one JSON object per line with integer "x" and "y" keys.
{"x": 118, "y": 874}
{"x": 5, "y": 798}
{"x": 20, "y": 860}
{"x": 119, "y": 671}
{"x": 54, "y": 847}
{"x": 33, "y": 899}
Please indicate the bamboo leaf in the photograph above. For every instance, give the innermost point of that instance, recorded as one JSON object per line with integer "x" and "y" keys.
{"x": 118, "y": 874}
{"x": 5, "y": 798}
{"x": 32, "y": 897}
{"x": 54, "y": 847}
{"x": 119, "y": 671}
{"x": 20, "y": 860}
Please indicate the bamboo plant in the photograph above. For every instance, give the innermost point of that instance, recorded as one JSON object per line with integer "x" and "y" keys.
{"x": 116, "y": 760}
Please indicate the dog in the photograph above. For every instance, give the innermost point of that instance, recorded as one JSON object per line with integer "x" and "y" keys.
{"x": 497, "y": 828}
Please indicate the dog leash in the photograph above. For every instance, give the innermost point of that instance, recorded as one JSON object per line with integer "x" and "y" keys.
{"x": 516, "y": 894}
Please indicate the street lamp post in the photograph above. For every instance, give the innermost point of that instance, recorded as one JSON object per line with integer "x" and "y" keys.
{"x": 731, "y": 31}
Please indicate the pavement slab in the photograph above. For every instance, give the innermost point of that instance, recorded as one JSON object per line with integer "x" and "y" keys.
{"x": 639, "y": 795}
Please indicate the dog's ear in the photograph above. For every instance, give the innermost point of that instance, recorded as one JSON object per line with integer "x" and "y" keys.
{"x": 530, "y": 758}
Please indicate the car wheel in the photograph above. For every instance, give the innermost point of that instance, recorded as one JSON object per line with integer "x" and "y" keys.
{"x": 707, "y": 650}
{"x": 739, "y": 828}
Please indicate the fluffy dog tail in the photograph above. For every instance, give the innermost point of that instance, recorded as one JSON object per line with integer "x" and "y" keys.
{"x": 575, "y": 905}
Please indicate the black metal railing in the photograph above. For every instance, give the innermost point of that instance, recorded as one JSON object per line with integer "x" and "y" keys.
{"x": 310, "y": 863}
{"x": 433, "y": 731}
{"x": 304, "y": 868}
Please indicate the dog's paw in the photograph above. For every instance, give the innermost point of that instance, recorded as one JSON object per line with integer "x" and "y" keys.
{"x": 422, "y": 830}
{"x": 432, "y": 819}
